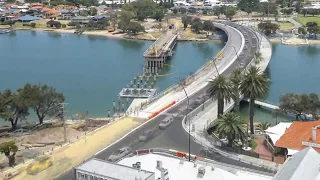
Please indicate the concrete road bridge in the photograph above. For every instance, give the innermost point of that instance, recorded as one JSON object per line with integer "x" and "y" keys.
{"x": 242, "y": 42}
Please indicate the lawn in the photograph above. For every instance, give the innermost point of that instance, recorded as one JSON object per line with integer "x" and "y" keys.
{"x": 303, "y": 20}
{"x": 285, "y": 25}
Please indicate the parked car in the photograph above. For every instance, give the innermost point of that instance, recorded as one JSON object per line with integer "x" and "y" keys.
{"x": 165, "y": 123}
{"x": 120, "y": 153}
{"x": 146, "y": 135}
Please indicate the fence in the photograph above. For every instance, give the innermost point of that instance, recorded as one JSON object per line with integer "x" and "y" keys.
{"x": 187, "y": 80}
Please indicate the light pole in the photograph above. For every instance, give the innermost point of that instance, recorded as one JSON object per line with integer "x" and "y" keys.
{"x": 236, "y": 55}
{"x": 187, "y": 112}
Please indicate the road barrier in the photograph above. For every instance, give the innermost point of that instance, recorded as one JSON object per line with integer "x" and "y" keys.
{"x": 161, "y": 110}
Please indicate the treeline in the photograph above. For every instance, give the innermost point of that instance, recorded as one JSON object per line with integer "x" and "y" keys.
{"x": 42, "y": 99}
{"x": 197, "y": 25}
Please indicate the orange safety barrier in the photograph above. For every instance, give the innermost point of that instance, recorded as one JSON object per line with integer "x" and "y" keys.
{"x": 181, "y": 154}
{"x": 197, "y": 157}
{"x": 161, "y": 110}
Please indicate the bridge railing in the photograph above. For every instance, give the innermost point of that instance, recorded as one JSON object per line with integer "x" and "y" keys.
{"x": 186, "y": 79}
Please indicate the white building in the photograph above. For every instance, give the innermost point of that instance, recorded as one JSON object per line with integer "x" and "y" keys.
{"x": 150, "y": 166}
{"x": 304, "y": 165}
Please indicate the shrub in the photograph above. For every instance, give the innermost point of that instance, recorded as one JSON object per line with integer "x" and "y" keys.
{"x": 39, "y": 165}
{"x": 33, "y": 25}
{"x": 78, "y": 26}
{"x": 64, "y": 26}
{"x": 72, "y": 24}
{"x": 253, "y": 144}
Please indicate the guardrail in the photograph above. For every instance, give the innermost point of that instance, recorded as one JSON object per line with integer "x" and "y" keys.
{"x": 175, "y": 86}
{"x": 194, "y": 158}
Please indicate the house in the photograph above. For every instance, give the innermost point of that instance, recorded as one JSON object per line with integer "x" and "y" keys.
{"x": 52, "y": 13}
{"x": 80, "y": 20}
{"x": 66, "y": 14}
{"x": 28, "y": 18}
{"x": 301, "y": 135}
{"x": 100, "y": 17}
{"x": 302, "y": 165}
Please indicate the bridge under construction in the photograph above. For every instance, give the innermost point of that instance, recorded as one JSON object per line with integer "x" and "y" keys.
{"x": 156, "y": 55}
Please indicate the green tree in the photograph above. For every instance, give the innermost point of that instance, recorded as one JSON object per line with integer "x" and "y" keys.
{"x": 9, "y": 149}
{"x": 14, "y": 109}
{"x": 248, "y": 5}
{"x": 158, "y": 14}
{"x": 231, "y": 11}
{"x": 231, "y": 127}
{"x": 93, "y": 11}
{"x": 313, "y": 28}
{"x": 33, "y": 25}
{"x": 204, "y": 12}
{"x": 268, "y": 27}
{"x": 302, "y": 31}
{"x": 267, "y": 8}
{"x": 255, "y": 84}
{"x": 304, "y": 12}
{"x": 186, "y": 20}
{"x": 175, "y": 11}
{"x": 196, "y": 25}
{"x": 235, "y": 79}
{"x": 44, "y": 100}
{"x": 263, "y": 126}
{"x": 126, "y": 16}
{"x": 208, "y": 26}
{"x": 217, "y": 12}
{"x": 133, "y": 27}
{"x": 183, "y": 10}
{"x": 257, "y": 57}
{"x": 300, "y": 105}
{"x": 220, "y": 88}
{"x": 144, "y": 8}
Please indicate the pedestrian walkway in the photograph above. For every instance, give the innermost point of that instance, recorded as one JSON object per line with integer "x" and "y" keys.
{"x": 70, "y": 156}
{"x": 202, "y": 120}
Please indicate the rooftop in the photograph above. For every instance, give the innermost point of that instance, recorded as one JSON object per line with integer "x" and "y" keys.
{"x": 300, "y": 132}
{"x": 303, "y": 165}
{"x": 187, "y": 171}
{"x": 111, "y": 170}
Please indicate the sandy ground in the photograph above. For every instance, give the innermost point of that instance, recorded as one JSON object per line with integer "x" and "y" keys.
{"x": 48, "y": 135}
{"x": 69, "y": 156}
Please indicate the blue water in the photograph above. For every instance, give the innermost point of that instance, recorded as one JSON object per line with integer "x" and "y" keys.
{"x": 89, "y": 70}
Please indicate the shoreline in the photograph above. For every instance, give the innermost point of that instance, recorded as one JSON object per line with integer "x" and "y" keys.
{"x": 311, "y": 41}
{"x": 107, "y": 34}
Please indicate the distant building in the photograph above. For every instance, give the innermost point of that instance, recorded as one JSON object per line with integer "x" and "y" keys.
{"x": 303, "y": 165}
{"x": 164, "y": 167}
{"x": 66, "y": 14}
{"x": 80, "y": 20}
{"x": 28, "y": 18}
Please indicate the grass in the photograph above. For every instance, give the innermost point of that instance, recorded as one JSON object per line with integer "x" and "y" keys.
{"x": 285, "y": 25}
{"x": 187, "y": 33}
{"x": 303, "y": 20}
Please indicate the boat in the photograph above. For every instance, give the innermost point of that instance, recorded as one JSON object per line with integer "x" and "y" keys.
{"x": 4, "y": 31}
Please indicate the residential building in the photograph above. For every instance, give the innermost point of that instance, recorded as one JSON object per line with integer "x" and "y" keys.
{"x": 301, "y": 135}
{"x": 66, "y": 14}
{"x": 305, "y": 164}
{"x": 80, "y": 20}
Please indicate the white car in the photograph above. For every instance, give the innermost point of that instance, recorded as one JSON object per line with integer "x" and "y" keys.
{"x": 120, "y": 153}
{"x": 165, "y": 123}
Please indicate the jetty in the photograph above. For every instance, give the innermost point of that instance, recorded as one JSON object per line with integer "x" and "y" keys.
{"x": 156, "y": 55}
{"x": 263, "y": 104}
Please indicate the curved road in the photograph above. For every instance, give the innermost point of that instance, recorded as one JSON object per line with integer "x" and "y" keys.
{"x": 174, "y": 136}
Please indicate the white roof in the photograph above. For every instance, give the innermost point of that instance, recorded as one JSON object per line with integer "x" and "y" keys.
{"x": 277, "y": 131}
{"x": 302, "y": 165}
{"x": 111, "y": 170}
{"x": 292, "y": 152}
{"x": 187, "y": 171}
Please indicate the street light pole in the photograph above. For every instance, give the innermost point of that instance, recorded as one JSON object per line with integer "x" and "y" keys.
{"x": 187, "y": 112}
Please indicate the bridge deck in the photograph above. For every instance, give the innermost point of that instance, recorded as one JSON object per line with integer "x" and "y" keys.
{"x": 161, "y": 45}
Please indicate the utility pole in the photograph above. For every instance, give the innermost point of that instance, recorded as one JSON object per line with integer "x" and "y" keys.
{"x": 63, "y": 112}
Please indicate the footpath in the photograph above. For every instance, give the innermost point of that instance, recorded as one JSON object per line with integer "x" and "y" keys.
{"x": 73, "y": 154}
{"x": 201, "y": 118}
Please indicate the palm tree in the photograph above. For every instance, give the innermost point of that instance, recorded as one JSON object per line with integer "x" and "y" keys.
{"x": 230, "y": 126}
{"x": 235, "y": 79}
{"x": 257, "y": 57}
{"x": 263, "y": 126}
{"x": 221, "y": 89}
{"x": 255, "y": 84}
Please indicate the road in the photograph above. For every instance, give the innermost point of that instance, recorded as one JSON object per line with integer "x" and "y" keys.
{"x": 175, "y": 137}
